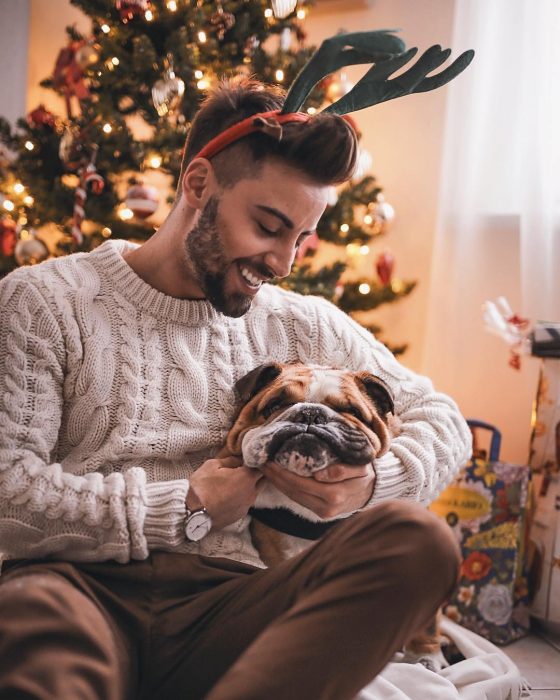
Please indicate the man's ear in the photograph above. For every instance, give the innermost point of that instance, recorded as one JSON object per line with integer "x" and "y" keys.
{"x": 199, "y": 183}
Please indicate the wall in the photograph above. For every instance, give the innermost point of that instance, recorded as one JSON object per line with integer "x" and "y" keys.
{"x": 405, "y": 137}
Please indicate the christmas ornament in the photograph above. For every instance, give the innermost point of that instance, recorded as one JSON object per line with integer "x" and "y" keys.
{"x": 41, "y": 117}
{"x": 384, "y": 265}
{"x": 30, "y": 250}
{"x": 285, "y": 39}
{"x": 129, "y": 9}
{"x": 73, "y": 150}
{"x": 251, "y": 45}
{"x": 283, "y": 8}
{"x": 8, "y": 236}
{"x": 87, "y": 55}
{"x": 364, "y": 162}
{"x": 88, "y": 177}
{"x": 338, "y": 87}
{"x": 167, "y": 92}
{"x": 381, "y": 212}
{"x": 142, "y": 200}
{"x": 222, "y": 21}
{"x": 68, "y": 77}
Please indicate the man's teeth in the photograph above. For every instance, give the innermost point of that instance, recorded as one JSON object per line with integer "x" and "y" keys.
{"x": 250, "y": 278}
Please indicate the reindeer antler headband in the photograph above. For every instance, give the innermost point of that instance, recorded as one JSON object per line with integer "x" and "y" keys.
{"x": 382, "y": 48}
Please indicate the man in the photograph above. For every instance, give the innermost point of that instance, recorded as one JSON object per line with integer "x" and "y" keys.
{"x": 116, "y": 390}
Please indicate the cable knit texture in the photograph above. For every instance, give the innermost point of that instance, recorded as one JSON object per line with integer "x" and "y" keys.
{"x": 112, "y": 394}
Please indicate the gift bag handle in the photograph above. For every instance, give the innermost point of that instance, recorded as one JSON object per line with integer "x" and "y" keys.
{"x": 495, "y": 440}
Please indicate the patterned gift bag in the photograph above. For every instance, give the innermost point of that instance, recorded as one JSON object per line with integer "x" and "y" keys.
{"x": 487, "y": 508}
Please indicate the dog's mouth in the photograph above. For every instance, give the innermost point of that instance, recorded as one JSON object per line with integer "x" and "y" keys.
{"x": 346, "y": 444}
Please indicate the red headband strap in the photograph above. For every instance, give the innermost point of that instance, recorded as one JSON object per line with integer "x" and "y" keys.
{"x": 254, "y": 123}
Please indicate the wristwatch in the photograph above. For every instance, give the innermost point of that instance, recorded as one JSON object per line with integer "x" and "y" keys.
{"x": 197, "y": 524}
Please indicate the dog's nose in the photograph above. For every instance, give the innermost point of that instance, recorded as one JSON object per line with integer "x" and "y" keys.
{"x": 311, "y": 414}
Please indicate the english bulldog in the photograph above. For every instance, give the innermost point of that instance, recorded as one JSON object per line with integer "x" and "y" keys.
{"x": 304, "y": 418}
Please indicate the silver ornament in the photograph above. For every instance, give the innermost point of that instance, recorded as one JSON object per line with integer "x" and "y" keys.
{"x": 167, "y": 93}
{"x": 285, "y": 39}
{"x": 282, "y": 8}
{"x": 29, "y": 251}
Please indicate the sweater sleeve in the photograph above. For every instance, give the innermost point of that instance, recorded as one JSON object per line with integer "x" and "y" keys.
{"x": 434, "y": 440}
{"x": 45, "y": 510}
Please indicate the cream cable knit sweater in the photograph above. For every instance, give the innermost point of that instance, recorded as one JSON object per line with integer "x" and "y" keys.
{"x": 112, "y": 394}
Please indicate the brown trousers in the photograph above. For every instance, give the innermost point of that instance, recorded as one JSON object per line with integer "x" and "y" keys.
{"x": 318, "y": 627}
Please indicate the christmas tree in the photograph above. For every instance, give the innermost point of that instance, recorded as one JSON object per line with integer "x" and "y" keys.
{"x": 131, "y": 89}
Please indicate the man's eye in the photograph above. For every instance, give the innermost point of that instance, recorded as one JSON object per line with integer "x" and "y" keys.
{"x": 266, "y": 230}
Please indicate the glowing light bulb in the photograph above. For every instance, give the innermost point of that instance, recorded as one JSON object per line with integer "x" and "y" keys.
{"x": 311, "y": 110}
{"x": 268, "y": 13}
{"x": 202, "y": 37}
{"x": 368, "y": 219}
{"x": 115, "y": 61}
{"x": 155, "y": 161}
{"x": 29, "y": 145}
{"x": 149, "y": 15}
{"x": 198, "y": 74}
{"x": 8, "y": 205}
{"x": 345, "y": 228}
{"x": 301, "y": 14}
{"x": 106, "y": 232}
{"x": 126, "y": 214}
{"x": 18, "y": 188}
{"x": 364, "y": 249}
{"x": 107, "y": 128}
{"x": 172, "y": 5}
{"x": 364, "y": 288}
{"x": 279, "y": 75}
{"x": 28, "y": 201}
{"x": 105, "y": 28}
{"x": 203, "y": 84}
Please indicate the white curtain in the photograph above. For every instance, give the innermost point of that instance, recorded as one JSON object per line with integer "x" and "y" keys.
{"x": 498, "y": 229}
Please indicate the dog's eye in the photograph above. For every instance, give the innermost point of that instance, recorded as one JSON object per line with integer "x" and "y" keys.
{"x": 354, "y": 412}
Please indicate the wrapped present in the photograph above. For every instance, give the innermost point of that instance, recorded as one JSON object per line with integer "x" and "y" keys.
{"x": 487, "y": 508}
{"x": 544, "y": 459}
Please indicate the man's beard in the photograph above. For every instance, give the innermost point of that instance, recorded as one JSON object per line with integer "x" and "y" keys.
{"x": 209, "y": 262}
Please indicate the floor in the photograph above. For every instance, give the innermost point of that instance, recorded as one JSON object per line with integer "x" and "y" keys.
{"x": 538, "y": 658}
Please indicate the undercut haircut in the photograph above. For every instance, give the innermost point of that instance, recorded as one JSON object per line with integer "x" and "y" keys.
{"x": 324, "y": 148}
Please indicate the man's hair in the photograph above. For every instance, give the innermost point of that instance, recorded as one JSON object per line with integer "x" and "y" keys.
{"x": 324, "y": 148}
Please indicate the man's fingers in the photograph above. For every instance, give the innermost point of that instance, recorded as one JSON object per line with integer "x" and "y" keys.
{"x": 340, "y": 472}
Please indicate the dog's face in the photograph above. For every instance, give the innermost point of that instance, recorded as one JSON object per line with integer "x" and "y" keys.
{"x": 306, "y": 417}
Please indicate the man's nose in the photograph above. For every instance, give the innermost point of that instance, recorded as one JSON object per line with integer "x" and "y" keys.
{"x": 281, "y": 259}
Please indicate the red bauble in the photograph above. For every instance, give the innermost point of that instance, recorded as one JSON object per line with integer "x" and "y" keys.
{"x": 142, "y": 200}
{"x": 41, "y": 117}
{"x": 129, "y": 9}
{"x": 8, "y": 236}
{"x": 384, "y": 265}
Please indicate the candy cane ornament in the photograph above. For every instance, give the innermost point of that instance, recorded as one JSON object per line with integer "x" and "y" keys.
{"x": 88, "y": 176}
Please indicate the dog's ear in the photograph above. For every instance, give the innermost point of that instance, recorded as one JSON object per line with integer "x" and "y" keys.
{"x": 250, "y": 385}
{"x": 378, "y": 392}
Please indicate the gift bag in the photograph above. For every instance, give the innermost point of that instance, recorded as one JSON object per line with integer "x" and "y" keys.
{"x": 487, "y": 508}
{"x": 545, "y": 527}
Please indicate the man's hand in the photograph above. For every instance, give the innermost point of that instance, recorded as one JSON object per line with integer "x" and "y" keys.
{"x": 225, "y": 488}
{"x": 329, "y": 492}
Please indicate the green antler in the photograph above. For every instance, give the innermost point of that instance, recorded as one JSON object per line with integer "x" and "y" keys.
{"x": 387, "y": 53}
{"x": 336, "y": 53}
{"x": 376, "y": 87}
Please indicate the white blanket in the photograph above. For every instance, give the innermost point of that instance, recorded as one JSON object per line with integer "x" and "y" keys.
{"x": 485, "y": 674}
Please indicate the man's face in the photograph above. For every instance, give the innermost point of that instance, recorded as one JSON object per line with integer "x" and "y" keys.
{"x": 249, "y": 234}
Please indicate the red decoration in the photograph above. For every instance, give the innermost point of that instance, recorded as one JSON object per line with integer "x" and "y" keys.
{"x": 129, "y": 9}
{"x": 41, "y": 117}
{"x": 222, "y": 22}
{"x": 384, "y": 265}
{"x": 476, "y": 566}
{"x": 68, "y": 77}
{"x": 8, "y": 236}
{"x": 88, "y": 176}
{"x": 310, "y": 243}
{"x": 142, "y": 200}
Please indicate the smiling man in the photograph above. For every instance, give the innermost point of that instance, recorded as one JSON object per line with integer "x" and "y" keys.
{"x": 130, "y": 571}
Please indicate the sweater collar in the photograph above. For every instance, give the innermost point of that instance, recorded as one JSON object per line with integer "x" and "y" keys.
{"x": 190, "y": 312}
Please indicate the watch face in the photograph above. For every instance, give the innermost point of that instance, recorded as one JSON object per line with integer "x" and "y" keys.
{"x": 197, "y": 525}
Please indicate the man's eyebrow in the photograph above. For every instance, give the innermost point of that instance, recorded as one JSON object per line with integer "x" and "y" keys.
{"x": 275, "y": 212}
